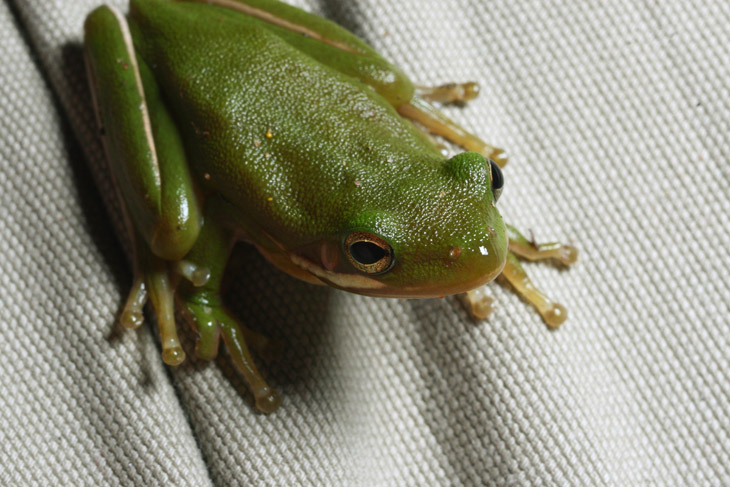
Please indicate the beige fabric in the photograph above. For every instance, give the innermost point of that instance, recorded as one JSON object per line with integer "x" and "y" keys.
{"x": 615, "y": 115}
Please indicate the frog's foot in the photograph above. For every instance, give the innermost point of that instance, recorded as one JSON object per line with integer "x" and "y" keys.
{"x": 449, "y": 92}
{"x": 419, "y": 110}
{"x": 478, "y": 302}
{"x": 565, "y": 254}
{"x": 213, "y": 322}
{"x": 554, "y": 314}
{"x": 531, "y": 250}
{"x": 155, "y": 283}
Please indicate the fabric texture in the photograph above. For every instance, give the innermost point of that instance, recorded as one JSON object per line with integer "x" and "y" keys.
{"x": 615, "y": 116}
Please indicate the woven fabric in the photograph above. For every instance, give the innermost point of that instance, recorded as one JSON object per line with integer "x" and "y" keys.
{"x": 615, "y": 115}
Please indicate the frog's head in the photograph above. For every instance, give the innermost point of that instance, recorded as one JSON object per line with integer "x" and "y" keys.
{"x": 425, "y": 235}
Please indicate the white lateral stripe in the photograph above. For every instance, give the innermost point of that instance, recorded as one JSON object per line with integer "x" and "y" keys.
{"x": 346, "y": 281}
{"x": 147, "y": 125}
{"x": 278, "y": 21}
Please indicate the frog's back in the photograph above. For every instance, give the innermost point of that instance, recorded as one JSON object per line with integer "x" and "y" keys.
{"x": 266, "y": 118}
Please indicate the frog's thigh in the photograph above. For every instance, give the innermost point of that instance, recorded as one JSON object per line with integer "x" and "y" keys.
{"x": 143, "y": 145}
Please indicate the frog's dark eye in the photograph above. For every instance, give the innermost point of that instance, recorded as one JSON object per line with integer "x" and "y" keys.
{"x": 497, "y": 179}
{"x": 369, "y": 253}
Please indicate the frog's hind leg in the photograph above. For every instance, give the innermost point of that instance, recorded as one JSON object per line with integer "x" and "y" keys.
{"x": 151, "y": 173}
{"x": 143, "y": 145}
{"x": 421, "y": 111}
{"x": 554, "y": 314}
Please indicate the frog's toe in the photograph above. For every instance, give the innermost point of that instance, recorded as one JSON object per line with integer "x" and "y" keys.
{"x": 479, "y": 304}
{"x": 197, "y": 275}
{"x": 449, "y": 92}
{"x": 173, "y": 355}
{"x": 267, "y": 399}
{"x": 554, "y": 314}
{"x": 132, "y": 314}
{"x": 568, "y": 255}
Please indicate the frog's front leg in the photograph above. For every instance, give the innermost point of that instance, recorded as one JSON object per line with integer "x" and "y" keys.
{"x": 203, "y": 306}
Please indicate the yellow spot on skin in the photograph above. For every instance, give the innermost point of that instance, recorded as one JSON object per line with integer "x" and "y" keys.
{"x": 442, "y": 194}
{"x": 267, "y": 155}
{"x": 269, "y": 134}
{"x": 269, "y": 199}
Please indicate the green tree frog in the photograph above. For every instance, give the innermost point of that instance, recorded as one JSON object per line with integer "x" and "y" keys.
{"x": 228, "y": 120}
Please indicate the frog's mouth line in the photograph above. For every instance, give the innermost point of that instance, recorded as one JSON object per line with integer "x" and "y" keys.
{"x": 305, "y": 269}
{"x": 344, "y": 281}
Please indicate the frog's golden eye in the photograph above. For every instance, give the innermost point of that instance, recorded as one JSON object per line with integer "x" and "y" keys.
{"x": 497, "y": 179}
{"x": 369, "y": 253}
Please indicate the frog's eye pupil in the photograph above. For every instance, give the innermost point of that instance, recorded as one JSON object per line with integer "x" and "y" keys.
{"x": 368, "y": 253}
{"x": 497, "y": 179}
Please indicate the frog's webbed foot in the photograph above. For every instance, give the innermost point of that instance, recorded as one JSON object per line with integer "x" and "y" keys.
{"x": 554, "y": 314}
{"x": 421, "y": 111}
